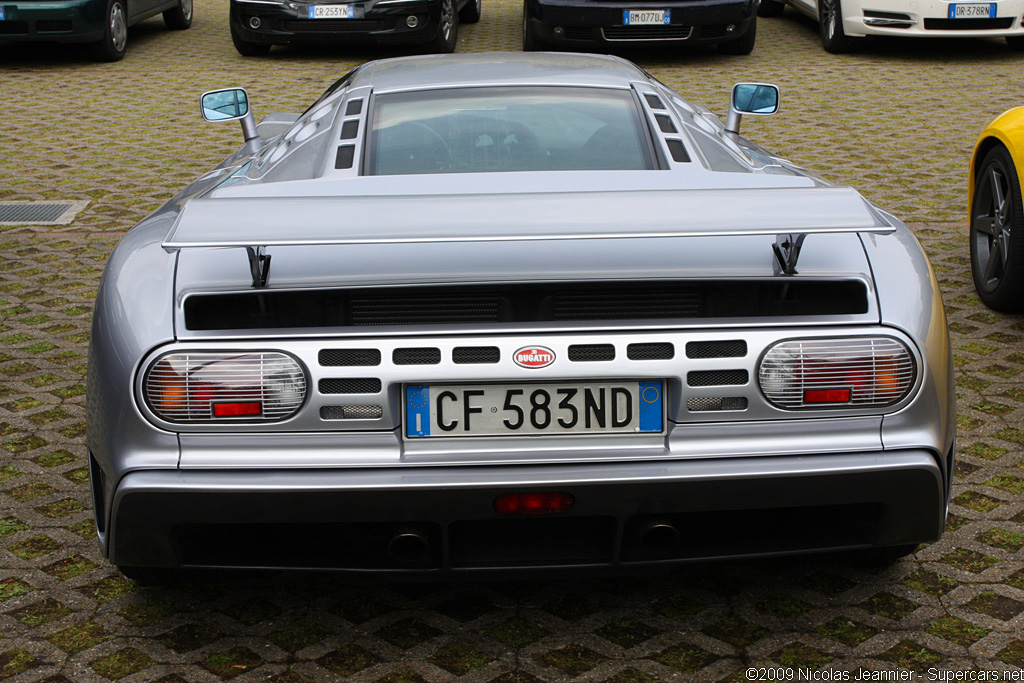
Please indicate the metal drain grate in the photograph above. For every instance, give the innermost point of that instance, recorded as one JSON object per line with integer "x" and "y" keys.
{"x": 39, "y": 213}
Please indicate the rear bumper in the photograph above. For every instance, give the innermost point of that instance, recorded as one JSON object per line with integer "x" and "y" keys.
{"x": 346, "y": 519}
{"x": 381, "y": 21}
{"x": 65, "y": 21}
{"x": 596, "y": 22}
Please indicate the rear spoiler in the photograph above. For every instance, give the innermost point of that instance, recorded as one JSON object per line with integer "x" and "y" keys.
{"x": 261, "y": 222}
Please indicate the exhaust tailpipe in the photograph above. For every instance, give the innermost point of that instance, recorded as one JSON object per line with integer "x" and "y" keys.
{"x": 659, "y": 537}
{"x": 409, "y": 546}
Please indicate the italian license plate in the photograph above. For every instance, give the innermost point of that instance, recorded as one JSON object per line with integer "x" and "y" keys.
{"x": 646, "y": 17}
{"x": 332, "y": 11}
{"x": 450, "y": 410}
{"x": 964, "y": 10}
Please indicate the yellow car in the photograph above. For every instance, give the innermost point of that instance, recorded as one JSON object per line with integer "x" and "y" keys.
{"x": 997, "y": 217}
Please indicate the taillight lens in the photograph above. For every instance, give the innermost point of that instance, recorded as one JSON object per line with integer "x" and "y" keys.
{"x": 260, "y": 386}
{"x": 858, "y": 372}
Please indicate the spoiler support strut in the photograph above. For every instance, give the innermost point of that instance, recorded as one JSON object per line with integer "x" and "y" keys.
{"x": 259, "y": 266}
{"x": 787, "y": 252}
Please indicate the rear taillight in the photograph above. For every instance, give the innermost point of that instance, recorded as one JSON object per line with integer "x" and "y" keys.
{"x": 858, "y": 372}
{"x": 259, "y": 386}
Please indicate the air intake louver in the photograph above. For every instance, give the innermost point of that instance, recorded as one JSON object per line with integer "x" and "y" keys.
{"x": 715, "y": 378}
{"x": 467, "y": 355}
{"x": 717, "y": 349}
{"x": 588, "y": 353}
{"x": 655, "y": 351}
{"x": 349, "y": 357}
{"x": 422, "y": 356}
{"x": 350, "y": 385}
{"x": 524, "y": 303}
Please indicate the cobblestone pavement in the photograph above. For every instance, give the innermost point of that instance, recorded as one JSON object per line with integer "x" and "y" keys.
{"x": 896, "y": 120}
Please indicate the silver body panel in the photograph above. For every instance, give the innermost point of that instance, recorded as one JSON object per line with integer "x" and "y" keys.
{"x": 712, "y": 219}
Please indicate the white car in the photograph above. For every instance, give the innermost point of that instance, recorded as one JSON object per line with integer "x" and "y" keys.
{"x": 841, "y": 22}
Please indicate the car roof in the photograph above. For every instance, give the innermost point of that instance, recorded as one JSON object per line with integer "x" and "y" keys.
{"x": 497, "y": 68}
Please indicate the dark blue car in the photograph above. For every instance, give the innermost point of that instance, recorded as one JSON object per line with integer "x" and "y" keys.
{"x": 102, "y": 24}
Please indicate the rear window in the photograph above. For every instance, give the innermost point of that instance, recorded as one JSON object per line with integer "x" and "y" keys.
{"x": 475, "y": 130}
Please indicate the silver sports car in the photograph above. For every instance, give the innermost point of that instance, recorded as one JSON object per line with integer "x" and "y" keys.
{"x": 502, "y": 313}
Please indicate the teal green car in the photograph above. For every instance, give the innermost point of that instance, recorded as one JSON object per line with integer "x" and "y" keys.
{"x": 102, "y": 24}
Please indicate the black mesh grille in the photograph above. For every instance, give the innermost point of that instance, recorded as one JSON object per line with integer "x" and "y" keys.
{"x": 349, "y": 129}
{"x": 717, "y": 349}
{"x": 350, "y": 385}
{"x": 714, "y": 378}
{"x": 663, "y": 32}
{"x": 578, "y": 33}
{"x": 707, "y": 404}
{"x": 653, "y": 101}
{"x": 711, "y": 31}
{"x": 627, "y": 301}
{"x": 424, "y": 308}
{"x": 467, "y": 355}
{"x": 583, "y": 353}
{"x": 524, "y": 303}
{"x": 349, "y": 357}
{"x": 351, "y": 412}
{"x": 423, "y": 356}
{"x": 656, "y": 351}
{"x": 531, "y": 541}
{"x": 968, "y": 24}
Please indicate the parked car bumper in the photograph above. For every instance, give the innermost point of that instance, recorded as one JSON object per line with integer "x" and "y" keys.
{"x": 572, "y": 23}
{"x": 65, "y": 21}
{"x": 348, "y": 519}
{"x": 380, "y": 21}
{"x": 929, "y": 18}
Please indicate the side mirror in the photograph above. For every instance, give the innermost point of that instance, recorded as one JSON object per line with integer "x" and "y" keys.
{"x": 230, "y": 104}
{"x": 759, "y": 99}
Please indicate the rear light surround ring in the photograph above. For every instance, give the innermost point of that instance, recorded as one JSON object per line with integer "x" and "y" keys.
{"x": 284, "y": 361}
{"x": 890, "y": 402}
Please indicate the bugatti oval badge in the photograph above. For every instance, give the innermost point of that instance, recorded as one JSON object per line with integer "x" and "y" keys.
{"x": 534, "y": 357}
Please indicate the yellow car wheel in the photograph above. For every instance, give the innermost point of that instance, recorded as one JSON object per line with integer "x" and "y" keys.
{"x": 997, "y": 233}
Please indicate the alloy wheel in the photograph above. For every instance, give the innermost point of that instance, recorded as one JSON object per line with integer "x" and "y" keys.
{"x": 830, "y": 11}
{"x": 991, "y": 226}
{"x": 447, "y": 19}
{"x": 119, "y": 26}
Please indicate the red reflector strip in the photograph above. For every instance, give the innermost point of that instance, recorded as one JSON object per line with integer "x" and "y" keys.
{"x": 533, "y": 503}
{"x": 827, "y": 396}
{"x": 237, "y": 409}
